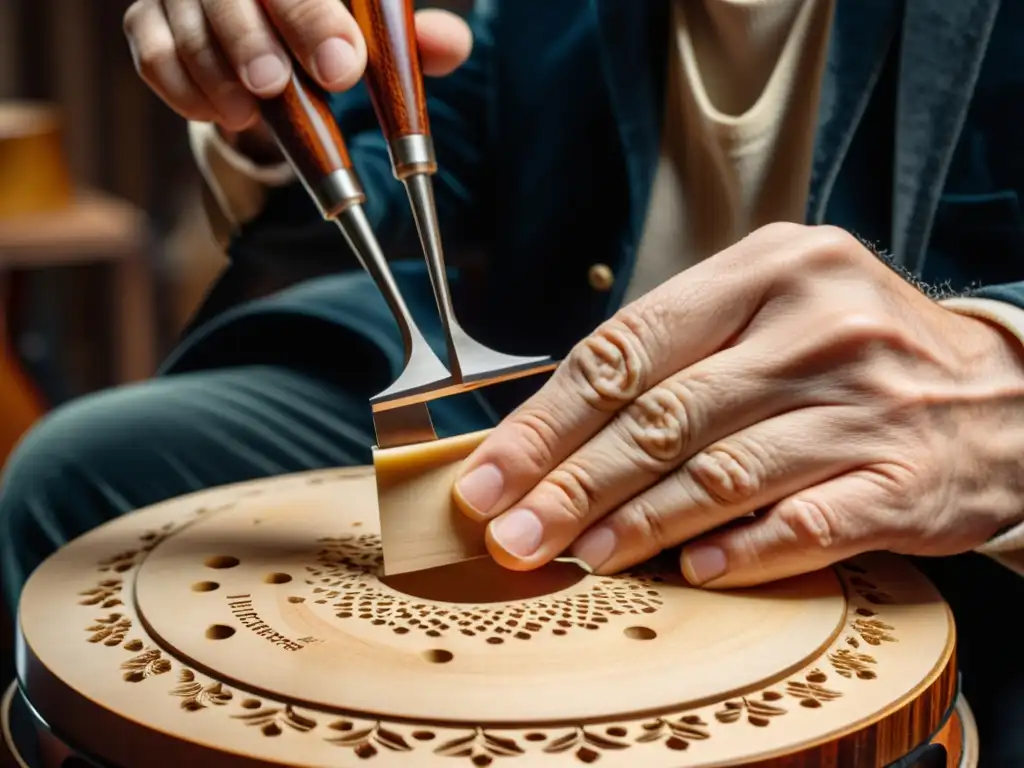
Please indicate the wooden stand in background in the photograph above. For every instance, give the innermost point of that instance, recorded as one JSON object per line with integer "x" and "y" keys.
{"x": 95, "y": 229}
{"x": 46, "y": 223}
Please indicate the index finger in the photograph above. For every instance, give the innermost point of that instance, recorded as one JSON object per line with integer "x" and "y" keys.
{"x": 677, "y": 324}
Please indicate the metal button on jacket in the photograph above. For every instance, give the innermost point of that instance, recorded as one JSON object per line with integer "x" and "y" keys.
{"x": 601, "y": 277}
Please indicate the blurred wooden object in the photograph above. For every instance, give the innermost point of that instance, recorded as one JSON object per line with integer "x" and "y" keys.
{"x": 34, "y": 181}
{"x": 21, "y": 403}
{"x": 95, "y": 228}
{"x": 34, "y": 173}
{"x": 46, "y": 223}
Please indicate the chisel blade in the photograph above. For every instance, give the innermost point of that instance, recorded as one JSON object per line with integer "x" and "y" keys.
{"x": 405, "y": 425}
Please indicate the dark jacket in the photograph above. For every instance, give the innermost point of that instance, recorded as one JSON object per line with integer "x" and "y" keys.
{"x": 548, "y": 140}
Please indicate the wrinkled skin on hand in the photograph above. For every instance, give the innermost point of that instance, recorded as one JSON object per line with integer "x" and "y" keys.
{"x": 786, "y": 404}
{"x": 211, "y": 60}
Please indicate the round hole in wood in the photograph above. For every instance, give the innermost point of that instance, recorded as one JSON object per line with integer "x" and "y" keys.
{"x": 438, "y": 656}
{"x": 205, "y": 586}
{"x": 219, "y": 632}
{"x": 277, "y": 578}
{"x": 222, "y": 561}
{"x": 640, "y": 633}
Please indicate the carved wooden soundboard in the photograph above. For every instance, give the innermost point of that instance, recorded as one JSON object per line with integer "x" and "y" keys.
{"x": 247, "y": 626}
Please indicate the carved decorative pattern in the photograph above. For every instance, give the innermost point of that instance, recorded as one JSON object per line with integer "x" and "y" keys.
{"x": 365, "y": 742}
{"x": 758, "y": 710}
{"x": 345, "y": 577}
{"x": 344, "y": 574}
{"x": 109, "y": 630}
{"x": 195, "y": 695}
{"x": 149, "y": 663}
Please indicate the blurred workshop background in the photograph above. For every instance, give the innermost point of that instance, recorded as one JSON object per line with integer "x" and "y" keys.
{"x": 104, "y": 250}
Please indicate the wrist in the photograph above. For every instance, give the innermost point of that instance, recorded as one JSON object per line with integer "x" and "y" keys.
{"x": 990, "y": 434}
{"x": 997, "y": 346}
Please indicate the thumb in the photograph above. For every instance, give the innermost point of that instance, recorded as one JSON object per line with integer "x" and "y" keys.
{"x": 445, "y": 41}
{"x": 808, "y": 531}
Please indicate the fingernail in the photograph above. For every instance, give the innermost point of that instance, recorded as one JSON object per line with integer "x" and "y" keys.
{"x": 595, "y": 546}
{"x": 265, "y": 71}
{"x": 701, "y": 564}
{"x": 518, "y": 532}
{"x": 334, "y": 61}
{"x": 481, "y": 488}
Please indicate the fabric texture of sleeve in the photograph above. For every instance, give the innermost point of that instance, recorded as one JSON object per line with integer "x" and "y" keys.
{"x": 235, "y": 187}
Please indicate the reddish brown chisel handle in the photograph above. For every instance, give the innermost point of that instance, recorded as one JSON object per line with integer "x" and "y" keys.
{"x": 305, "y": 129}
{"x": 394, "y": 79}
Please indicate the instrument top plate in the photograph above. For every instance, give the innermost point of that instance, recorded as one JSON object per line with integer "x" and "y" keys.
{"x": 260, "y": 604}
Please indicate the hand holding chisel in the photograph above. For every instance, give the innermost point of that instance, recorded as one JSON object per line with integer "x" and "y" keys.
{"x": 307, "y": 133}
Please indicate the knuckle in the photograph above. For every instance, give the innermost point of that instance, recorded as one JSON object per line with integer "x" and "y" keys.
{"x": 152, "y": 60}
{"x": 643, "y": 518}
{"x": 727, "y": 477}
{"x": 132, "y": 18}
{"x": 829, "y": 247}
{"x": 659, "y": 424}
{"x": 195, "y": 46}
{"x": 608, "y": 367}
{"x": 536, "y": 435}
{"x": 243, "y": 36}
{"x": 860, "y": 333}
{"x": 573, "y": 489}
{"x": 782, "y": 231}
{"x": 810, "y": 521}
{"x": 307, "y": 15}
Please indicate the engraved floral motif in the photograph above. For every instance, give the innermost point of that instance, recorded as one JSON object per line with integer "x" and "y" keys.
{"x": 873, "y": 631}
{"x": 272, "y": 720}
{"x": 106, "y": 594}
{"x": 195, "y": 695}
{"x": 110, "y": 629}
{"x": 480, "y": 746}
{"x": 811, "y": 695}
{"x": 147, "y": 664}
{"x": 849, "y": 663}
{"x": 367, "y": 741}
{"x": 588, "y": 743}
{"x": 678, "y": 733}
{"x": 345, "y": 577}
{"x": 759, "y": 710}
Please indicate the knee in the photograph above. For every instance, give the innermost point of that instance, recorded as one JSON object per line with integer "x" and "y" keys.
{"x": 60, "y": 447}
{"x": 51, "y": 488}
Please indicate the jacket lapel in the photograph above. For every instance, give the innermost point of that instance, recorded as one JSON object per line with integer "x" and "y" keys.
{"x": 942, "y": 47}
{"x": 862, "y": 33}
{"x": 629, "y": 32}
{"x": 944, "y": 43}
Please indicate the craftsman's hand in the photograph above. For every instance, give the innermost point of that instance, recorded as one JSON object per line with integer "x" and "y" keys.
{"x": 210, "y": 59}
{"x": 795, "y": 376}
